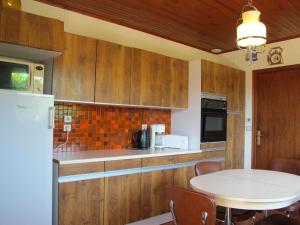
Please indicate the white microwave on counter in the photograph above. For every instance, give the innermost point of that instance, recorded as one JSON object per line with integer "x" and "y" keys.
{"x": 21, "y": 75}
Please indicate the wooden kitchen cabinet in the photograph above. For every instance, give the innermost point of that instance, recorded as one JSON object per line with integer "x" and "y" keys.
{"x": 122, "y": 202}
{"x": 235, "y": 141}
{"x": 74, "y": 71}
{"x": 148, "y": 80}
{"x": 224, "y": 80}
{"x": 81, "y": 202}
{"x": 179, "y": 83}
{"x": 21, "y": 28}
{"x": 155, "y": 184}
{"x": 113, "y": 72}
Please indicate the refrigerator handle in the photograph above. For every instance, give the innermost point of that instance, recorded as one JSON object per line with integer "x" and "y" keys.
{"x": 51, "y": 117}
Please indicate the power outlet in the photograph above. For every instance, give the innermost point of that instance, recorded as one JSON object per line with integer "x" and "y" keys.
{"x": 67, "y": 127}
{"x": 68, "y": 119}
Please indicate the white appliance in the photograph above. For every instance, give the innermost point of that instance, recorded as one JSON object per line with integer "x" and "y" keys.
{"x": 21, "y": 75}
{"x": 176, "y": 141}
{"x": 157, "y": 139}
{"x": 26, "y": 140}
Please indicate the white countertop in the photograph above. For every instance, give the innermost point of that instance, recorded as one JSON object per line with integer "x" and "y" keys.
{"x": 109, "y": 155}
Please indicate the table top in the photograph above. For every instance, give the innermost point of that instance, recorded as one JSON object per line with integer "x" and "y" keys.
{"x": 250, "y": 189}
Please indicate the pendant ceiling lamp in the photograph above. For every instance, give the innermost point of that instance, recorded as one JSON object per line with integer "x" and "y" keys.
{"x": 251, "y": 32}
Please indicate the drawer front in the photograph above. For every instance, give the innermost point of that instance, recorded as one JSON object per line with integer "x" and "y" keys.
{"x": 158, "y": 161}
{"x": 199, "y": 156}
{"x": 80, "y": 168}
{"x": 123, "y": 164}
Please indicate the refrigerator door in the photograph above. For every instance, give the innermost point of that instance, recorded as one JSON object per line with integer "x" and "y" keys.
{"x": 26, "y": 143}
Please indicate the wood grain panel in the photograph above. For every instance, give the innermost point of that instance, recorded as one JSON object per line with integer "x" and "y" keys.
{"x": 201, "y": 24}
{"x": 235, "y": 141}
{"x": 221, "y": 144}
{"x": 123, "y": 164}
{"x": 199, "y": 156}
{"x": 276, "y": 114}
{"x": 179, "y": 82}
{"x": 113, "y": 72}
{"x": 74, "y": 71}
{"x": 148, "y": 79}
{"x": 182, "y": 176}
{"x": 122, "y": 203}
{"x": 80, "y": 168}
{"x": 155, "y": 195}
{"x": 81, "y": 202}
{"x": 158, "y": 161}
{"x": 35, "y": 31}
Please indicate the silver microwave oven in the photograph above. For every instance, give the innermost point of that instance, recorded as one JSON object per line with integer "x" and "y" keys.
{"x": 21, "y": 75}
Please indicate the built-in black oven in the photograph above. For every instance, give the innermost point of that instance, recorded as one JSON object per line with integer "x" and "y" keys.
{"x": 213, "y": 120}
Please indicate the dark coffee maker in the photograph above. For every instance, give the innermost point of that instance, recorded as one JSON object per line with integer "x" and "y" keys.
{"x": 141, "y": 138}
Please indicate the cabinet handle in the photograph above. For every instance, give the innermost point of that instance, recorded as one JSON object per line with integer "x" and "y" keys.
{"x": 51, "y": 117}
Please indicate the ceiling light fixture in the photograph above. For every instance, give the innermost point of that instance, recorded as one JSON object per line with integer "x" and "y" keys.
{"x": 216, "y": 50}
{"x": 251, "y": 32}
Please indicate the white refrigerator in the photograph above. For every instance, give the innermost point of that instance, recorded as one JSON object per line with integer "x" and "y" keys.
{"x": 26, "y": 143}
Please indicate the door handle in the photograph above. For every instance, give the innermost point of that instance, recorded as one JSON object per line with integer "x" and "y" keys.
{"x": 258, "y": 137}
{"x": 51, "y": 118}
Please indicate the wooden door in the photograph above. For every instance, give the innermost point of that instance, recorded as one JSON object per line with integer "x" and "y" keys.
{"x": 31, "y": 30}
{"x": 74, "y": 71}
{"x": 81, "y": 202}
{"x": 113, "y": 72}
{"x": 276, "y": 115}
{"x": 148, "y": 85}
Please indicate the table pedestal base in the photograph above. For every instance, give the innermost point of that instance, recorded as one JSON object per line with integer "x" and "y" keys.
{"x": 228, "y": 216}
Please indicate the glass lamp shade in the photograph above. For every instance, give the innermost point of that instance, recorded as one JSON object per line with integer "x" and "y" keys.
{"x": 251, "y": 32}
{"x": 11, "y": 4}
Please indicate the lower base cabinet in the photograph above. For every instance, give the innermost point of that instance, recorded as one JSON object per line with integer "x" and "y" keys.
{"x": 155, "y": 197}
{"x": 81, "y": 202}
{"x": 122, "y": 202}
{"x": 124, "y": 198}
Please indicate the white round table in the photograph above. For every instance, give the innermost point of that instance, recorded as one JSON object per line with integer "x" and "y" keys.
{"x": 249, "y": 189}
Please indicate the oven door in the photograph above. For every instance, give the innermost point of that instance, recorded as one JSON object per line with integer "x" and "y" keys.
{"x": 213, "y": 126}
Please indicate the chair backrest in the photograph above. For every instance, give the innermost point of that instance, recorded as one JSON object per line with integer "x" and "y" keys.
{"x": 286, "y": 165}
{"x": 202, "y": 168}
{"x": 192, "y": 208}
{"x": 277, "y": 219}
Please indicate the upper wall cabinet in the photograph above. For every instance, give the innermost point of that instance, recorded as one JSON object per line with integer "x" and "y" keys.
{"x": 148, "y": 80}
{"x": 113, "y": 72}
{"x": 35, "y": 31}
{"x": 74, "y": 71}
{"x": 220, "y": 79}
{"x": 157, "y": 80}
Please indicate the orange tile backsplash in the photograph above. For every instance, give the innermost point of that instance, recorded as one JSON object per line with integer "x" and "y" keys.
{"x": 96, "y": 127}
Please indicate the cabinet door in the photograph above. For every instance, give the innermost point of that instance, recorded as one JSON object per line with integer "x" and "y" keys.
{"x": 155, "y": 193}
{"x": 214, "y": 77}
{"x": 182, "y": 176}
{"x": 74, "y": 71}
{"x": 148, "y": 85}
{"x": 177, "y": 73}
{"x": 235, "y": 141}
{"x": 113, "y": 73}
{"x": 81, "y": 202}
{"x": 236, "y": 90}
{"x": 31, "y": 30}
{"x": 122, "y": 203}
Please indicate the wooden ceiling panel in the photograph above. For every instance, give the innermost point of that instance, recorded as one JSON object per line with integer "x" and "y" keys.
{"x": 204, "y": 24}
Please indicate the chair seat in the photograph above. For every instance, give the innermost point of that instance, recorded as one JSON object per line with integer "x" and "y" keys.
{"x": 238, "y": 215}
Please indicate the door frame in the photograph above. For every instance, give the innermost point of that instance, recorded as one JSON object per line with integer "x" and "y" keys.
{"x": 255, "y": 73}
